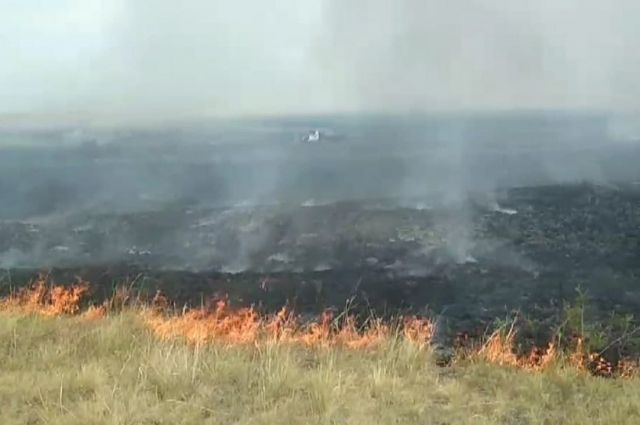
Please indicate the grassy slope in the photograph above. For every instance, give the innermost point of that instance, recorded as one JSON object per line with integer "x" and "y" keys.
{"x": 113, "y": 371}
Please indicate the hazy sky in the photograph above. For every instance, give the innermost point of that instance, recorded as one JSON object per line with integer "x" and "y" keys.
{"x": 141, "y": 58}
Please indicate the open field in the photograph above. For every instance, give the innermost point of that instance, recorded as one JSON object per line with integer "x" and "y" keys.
{"x": 449, "y": 270}
{"x": 113, "y": 371}
{"x": 119, "y": 369}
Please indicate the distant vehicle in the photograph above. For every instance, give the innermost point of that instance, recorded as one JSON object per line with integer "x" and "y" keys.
{"x": 313, "y": 136}
{"x": 320, "y": 136}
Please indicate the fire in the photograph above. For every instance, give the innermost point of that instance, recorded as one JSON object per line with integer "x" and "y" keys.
{"x": 540, "y": 358}
{"x": 48, "y": 300}
{"x": 578, "y": 356}
{"x": 220, "y": 323}
{"x": 499, "y": 349}
{"x": 628, "y": 368}
{"x": 350, "y": 336}
{"x": 95, "y": 313}
{"x": 417, "y": 330}
{"x": 203, "y": 326}
{"x": 245, "y": 326}
{"x": 317, "y": 334}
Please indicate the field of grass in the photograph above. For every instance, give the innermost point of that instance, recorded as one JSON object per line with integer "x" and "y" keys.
{"x": 115, "y": 370}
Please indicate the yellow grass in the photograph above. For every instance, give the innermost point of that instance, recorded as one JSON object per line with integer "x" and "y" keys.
{"x": 115, "y": 370}
{"x": 123, "y": 363}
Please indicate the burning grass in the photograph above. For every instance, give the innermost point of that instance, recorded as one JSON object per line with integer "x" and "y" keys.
{"x": 68, "y": 370}
{"x": 220, "y": 324}
{"x": 49, "y": 300}
{"x": 225, "y": 325}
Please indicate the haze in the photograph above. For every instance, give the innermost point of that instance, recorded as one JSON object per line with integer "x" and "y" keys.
{"x": 128, "y": 60}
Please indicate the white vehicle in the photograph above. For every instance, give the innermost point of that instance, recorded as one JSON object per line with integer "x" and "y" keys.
{"x": 313, "y": 137}
{"x": 317, "y": 136}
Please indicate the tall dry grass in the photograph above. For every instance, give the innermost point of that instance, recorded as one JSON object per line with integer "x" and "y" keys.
{"x": 126, "y": 363}
{"x": 69, "y": 370}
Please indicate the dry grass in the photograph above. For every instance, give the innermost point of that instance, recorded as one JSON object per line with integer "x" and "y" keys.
{"x": 124, "y": 364}
{"x": 69, "y": 370}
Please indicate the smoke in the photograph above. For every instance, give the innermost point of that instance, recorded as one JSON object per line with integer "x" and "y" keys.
{"x": 131, "y": 60}
{"x": 128, "y": 62}
{"x": 495, "y": 54}
{"x": 134, "y": 61}
{"x": 465, "y": 55}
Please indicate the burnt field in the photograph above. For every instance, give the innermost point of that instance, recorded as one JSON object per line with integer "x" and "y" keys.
{"x": 529, "y": 252}
{"x": 474, "y": 226}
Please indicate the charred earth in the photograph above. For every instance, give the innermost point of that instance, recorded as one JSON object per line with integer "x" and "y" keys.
{"x": 470, "y": 223}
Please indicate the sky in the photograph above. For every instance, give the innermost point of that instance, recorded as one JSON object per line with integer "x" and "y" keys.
{"x": 140, "y": 59}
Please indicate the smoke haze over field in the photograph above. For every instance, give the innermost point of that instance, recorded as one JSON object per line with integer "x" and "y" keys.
{"x": 478, "y": 154}
{"x": 135, "y": 59}
{"x": 488, "y": 54}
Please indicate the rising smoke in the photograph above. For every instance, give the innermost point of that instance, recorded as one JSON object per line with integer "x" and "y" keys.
{"x": 466, "y": 54}
{"x": 132, "y": 60}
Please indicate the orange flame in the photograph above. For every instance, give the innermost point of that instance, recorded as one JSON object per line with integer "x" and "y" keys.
{"x": 48, "y": 300}
{"x": 220, "y": 323}
{"x": 417, "y": 330}
{"x": 95, "y": 313}
{"x": 499, "y": 349}
{"x": 246, "y": 326}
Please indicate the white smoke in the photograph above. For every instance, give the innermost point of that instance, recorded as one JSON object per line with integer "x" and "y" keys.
{"x": 134, "y": 60}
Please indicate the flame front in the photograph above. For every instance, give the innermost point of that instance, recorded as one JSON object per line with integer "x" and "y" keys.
{"x": 245, "y": 326}
{"x": 48, "y": 300}
{"x": 221, "y": 324}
